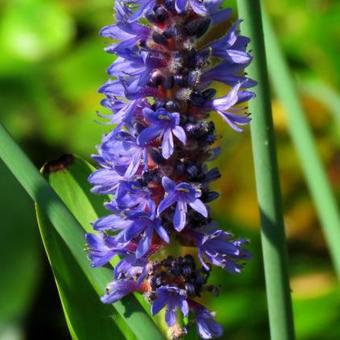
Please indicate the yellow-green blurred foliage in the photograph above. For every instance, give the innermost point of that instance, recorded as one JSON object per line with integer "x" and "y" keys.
{"x": 51, "y": 65}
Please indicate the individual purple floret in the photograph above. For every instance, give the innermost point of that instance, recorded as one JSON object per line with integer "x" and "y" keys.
{"x": 183, "y": 194}
{"x": 219, "y": 248}
{"x": 172, "y": 298}
{"x": 153, "y": 166}
{"x": 145, "y": 227}
{"x": 117, "y": 289}
{"x": 163, "y": 125}
{"x": 101, "y": 249}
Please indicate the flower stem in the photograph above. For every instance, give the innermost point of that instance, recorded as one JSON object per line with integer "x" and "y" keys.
{"x": 302, "y": 137}
{"x": 267, "y": 181}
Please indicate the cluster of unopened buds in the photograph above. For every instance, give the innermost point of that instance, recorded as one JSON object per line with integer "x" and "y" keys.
{"x": 153, "y": 165}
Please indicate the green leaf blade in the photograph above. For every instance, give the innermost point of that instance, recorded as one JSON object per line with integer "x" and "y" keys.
{"x": 86, "y": 316}
{"x": 72, "y": 234}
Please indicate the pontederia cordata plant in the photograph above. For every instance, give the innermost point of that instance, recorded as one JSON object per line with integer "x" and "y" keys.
{"x": 153, "y": 165}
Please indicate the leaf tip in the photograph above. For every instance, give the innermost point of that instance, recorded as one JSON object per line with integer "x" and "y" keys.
{"x": 60, "y": 164}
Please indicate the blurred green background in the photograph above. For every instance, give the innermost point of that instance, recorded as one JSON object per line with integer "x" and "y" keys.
{"x": 51, "y": 64}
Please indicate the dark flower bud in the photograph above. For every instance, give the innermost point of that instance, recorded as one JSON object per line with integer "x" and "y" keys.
{"x": 189, "y": 260}
{"x": 159, "y": 38}
{"x": 161, "y": 14}
{"x": 198, "y": 27}
{"x": 157, "y": 157}
{"x": 193, "y": 170}
{"x": 209, "y": 94}
{"x": 171, "y": 106}
{"x": 180, "y": 169}
{"x": 155, "y": 79}
{"x": 191, "y": 57}
{"x": 210, "y": 196}
{"x": 170, "y": 5}
{"x": 190, "y": 288}
{"x": 186, "y": 270}
{"x": 168, "y": 82}
{"x": 212, "y": 175}
{"x": 158, "y": 104}
{"x": 197, "y": 99}
{"x": 181, "y": 80}
{"x": 151, "y": 16}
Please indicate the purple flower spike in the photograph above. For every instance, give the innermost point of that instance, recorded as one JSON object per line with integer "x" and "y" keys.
{"x": 182, "y": 194}
{"x": 153, "y": 165}
{"x": 172, "y": 298}
{"x": 164, "y": 125}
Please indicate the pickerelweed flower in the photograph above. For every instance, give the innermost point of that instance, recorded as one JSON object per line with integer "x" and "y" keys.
{"x": 153, "y": 165}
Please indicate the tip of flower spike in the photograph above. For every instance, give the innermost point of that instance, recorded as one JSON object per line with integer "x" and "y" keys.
{"x": 60, "y": 164}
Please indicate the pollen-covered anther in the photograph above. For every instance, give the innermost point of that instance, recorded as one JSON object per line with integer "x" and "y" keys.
{"x": 184, "y": 94}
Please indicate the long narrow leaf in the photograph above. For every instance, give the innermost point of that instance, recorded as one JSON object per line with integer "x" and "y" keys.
{"x": 302, "y": 137}
{"x": 86, "y": 316}
{"x": 267, "y": 180}
{"x": 71, "y": 232}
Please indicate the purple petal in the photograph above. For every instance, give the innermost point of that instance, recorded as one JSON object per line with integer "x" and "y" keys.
{"x": 180, "y": 216}
{"x": 159, "y": 303}
{"x": 199, "y": 207}
{"x": 221, "y": 16}
{"x": 133, "y": 231}
{"x": 167, "y": 144}
{"x": 200, "y": 256}
{"x": 181, "y": 5}
{"x": 100, "y": 249}
{"x": 111, "y": 222}
{"x": 179, "y": 132}
{"x": 145, "y": 6}
{"x": 168, "y": 184}
{"x": 162, "y": 233}
{"x": 185, "y": 307}
{"x": 226, "y": 102}
{"x": 144, "y": 244}
{"x": 234, "y": 120}
{"x": 170, "y": 317}
{"x": 117, "y": 290}
{"x": 148, "y": 135}
{"x": 166, "y": 203}
{"x": 208, "y": 328}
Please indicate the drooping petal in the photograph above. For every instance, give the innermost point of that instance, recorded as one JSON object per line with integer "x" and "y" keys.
{"x": 181, "y": 5}
{"x": 179, "y": 132}
{"x": 148, "y": 135}
{"x": 111, "y": 222}
{"x": 168, "y": 201}
{"x": 162, "y": 233}
{"x": 167, "y": 144}
{"x": 208, "y": 328}
{"x": 180, "y": 216}
{"x": 199, "y": 206}
{"x": 118, "y": 289}
{"x": 145, "y": 243}
{"x": 170, "y": 317}
{"x": 101, "y": 249}
{"x": 159, "y": 304}
{"x": 168, "y": 184}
